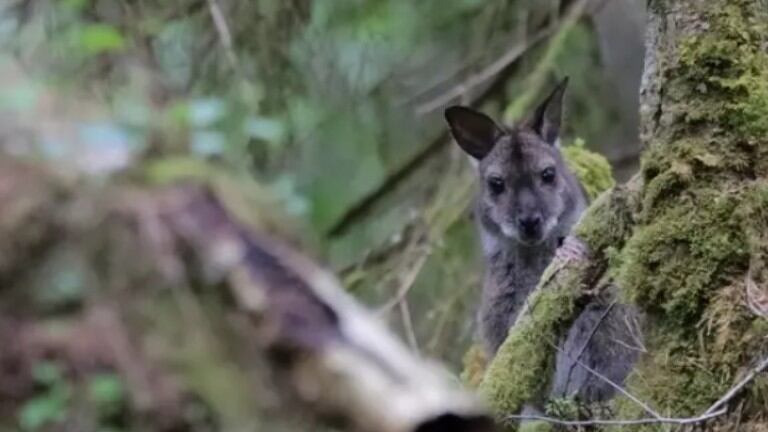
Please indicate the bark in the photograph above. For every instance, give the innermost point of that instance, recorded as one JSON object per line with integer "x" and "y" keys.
{"x": 685, "y": 239}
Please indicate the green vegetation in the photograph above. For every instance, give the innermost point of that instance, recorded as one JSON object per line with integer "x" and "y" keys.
{"x": 592, "y": 169}
{"x": 59, "y": 395}
{"x": 701, "y": 223}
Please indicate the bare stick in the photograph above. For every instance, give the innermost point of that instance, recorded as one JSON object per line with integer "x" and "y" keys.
{"x": 660, "y": 420}
{"x": 618, "y": 388}
{"x": 225, "y": 36}
{"x": 761, "y": 367}
{"x": 410, "y": 333}
{"x": 594, "y": 329}
{"x": 407, "y": 281}
{"x": 717, "y": 409}
{"x": 484, "y": 75}
{"x": 463, "y": 88}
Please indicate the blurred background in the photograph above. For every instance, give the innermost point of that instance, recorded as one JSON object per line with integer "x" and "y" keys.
{"x": 335, "y": 108}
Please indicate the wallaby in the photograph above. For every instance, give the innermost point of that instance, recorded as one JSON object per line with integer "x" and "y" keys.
{"x": 526, "y": 206}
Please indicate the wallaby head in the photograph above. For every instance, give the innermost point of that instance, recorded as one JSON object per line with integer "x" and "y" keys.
{"x": 526, "y": 190}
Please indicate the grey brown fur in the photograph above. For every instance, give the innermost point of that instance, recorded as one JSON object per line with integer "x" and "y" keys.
{"x": 527, "y": 204}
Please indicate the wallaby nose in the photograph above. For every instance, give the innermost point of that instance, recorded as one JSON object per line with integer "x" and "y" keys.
{"x": 530, "y": 225}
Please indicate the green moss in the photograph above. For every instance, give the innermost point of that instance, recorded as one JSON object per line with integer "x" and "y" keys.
{"x": 537, "y": 426}
{"x": 592, "y": 169}
{"x": 521, "y": 368}
{"x": 728, "y": 68}
{"x": 686, "y": 270}
{"x": 700, "y": 235}
{"x": 608, "y": 221}
{"x": 474, "y": 363}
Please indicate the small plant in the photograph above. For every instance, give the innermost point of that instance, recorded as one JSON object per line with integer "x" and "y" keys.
{"x": 103, "y": 393}
{"x": 50, "y": 405}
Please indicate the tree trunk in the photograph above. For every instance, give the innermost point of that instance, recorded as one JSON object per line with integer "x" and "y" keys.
{"x": 686, "y": 240}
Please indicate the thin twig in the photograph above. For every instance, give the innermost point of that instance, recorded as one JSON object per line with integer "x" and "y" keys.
{"x": 634, "y": 329}
{"x": 225, "y": 35}
{"x": 761, "y": 367}
{"x": 651, "y": 420}
{"x": 410, "y": 333}
{"x": 717, "y": 409}
{"x": 608, "y": 381}
{"x": 594, "y": 329}
{"x": 589, "y": 338}
{"x": 407, "y": 280}
{"x": 484, "y": 75}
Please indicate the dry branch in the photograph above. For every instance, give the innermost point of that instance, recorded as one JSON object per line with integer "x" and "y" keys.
{"x": 715, "y": 410}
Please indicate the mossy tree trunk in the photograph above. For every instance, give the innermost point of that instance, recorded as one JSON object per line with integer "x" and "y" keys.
{"x": 686, "y": 240}
{"x": 703, "y": 215}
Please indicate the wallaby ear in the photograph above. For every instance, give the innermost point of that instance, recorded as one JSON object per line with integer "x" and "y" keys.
{"x": 475, "y": 132}
{"x": 547, "y": 117}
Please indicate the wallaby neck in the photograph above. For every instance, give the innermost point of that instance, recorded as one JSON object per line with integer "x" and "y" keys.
{"x": 512, "y": 271}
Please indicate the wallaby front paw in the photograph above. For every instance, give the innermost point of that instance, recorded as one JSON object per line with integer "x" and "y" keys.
{"x": 572, "y": 249}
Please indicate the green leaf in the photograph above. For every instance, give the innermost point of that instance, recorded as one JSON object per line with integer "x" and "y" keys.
{"x": 74, "y": 4}
{"x": 42, "y": 410}
{"x": 100, "y": 38}
{"x": 270, "y": 130}
{"x": 19, "y": 98}
{"x": 47, "y": 373}
{"x": 205, "y": 112}
{"x": 208, "y": 143}
{"x": 106, "y": 390}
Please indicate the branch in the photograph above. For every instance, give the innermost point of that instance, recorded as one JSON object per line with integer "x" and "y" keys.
{"x": 717, "y": 409}
{"x": 484, "y": 75}
{"x": 616, "y": 386}
{"x": 661, "y": 420}
{"x": 760, "y": 368}
{"x": 225, "y": 35}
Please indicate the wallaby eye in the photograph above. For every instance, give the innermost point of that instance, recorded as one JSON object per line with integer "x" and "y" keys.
{"x": 548, "y": 175}
{"x": 495, "y": 185}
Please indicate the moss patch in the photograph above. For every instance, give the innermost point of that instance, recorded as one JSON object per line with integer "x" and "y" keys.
{"x": 474, "y": 362}
{"x": 537, "y": 426}
{"x": 521, "y": 368}
{"x": 592, "y": 169}
{"x": 700, "y": 235}
{"x": 608, "y": 221}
